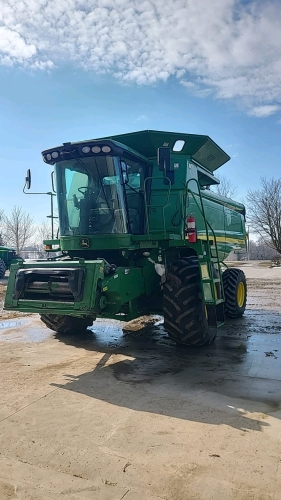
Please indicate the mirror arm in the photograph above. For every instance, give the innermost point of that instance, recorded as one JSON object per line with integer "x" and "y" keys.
{"x": 52, "y": 217}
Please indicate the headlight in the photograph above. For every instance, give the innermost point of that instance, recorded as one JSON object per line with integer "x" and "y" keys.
{"x": 96, "y": 149}
{"x": 106, "y": 149}
{"x": 86, "y": 149}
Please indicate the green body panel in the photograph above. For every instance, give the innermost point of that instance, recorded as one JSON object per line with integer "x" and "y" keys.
{"x": 105, "y": 241}
{"x": 94, "y": 271}
{"x": 118, "y": 275}
{"x": 198, "y": 147}
{"x": 102, "y": 295}
{"x": 124, "y": 285}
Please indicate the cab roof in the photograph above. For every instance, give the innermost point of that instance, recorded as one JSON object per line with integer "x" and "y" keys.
{"x": 201, "y": 148}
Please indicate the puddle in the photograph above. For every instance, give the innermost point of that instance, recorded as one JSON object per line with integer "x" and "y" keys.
{"x": 18, "y": 330}
{"x": 10, "y": 324}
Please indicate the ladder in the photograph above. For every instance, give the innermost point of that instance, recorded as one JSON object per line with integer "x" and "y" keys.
{"x": 210, "y": 269}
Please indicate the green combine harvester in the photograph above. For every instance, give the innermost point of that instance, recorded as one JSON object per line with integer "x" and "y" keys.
{"x": 140, "y": 232}
{"x": 7, "y": 255}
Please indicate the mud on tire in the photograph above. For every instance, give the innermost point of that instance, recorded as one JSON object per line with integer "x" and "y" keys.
{"x": 183, "y": 306}
{"x": 235, "y": 292}
{"x": 67, "y": 325}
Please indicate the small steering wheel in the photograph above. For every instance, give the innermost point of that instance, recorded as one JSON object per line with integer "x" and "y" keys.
{"x": 86, "y": 190}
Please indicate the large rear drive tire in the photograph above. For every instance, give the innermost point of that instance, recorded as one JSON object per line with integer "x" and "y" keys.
{"x": 2, "y": 268}
{"x": 184, "y": 312}
{"x": 67, "y": 325}
{"x": 235, "y": 292}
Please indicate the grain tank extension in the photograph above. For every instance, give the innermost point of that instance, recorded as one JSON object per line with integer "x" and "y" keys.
{"x": 140, "y": 232}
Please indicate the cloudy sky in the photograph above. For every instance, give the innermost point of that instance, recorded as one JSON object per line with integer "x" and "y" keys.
{"x": 72, "y": 70}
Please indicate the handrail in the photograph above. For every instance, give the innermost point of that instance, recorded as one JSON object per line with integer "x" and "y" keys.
{"x": 207, "y": 224}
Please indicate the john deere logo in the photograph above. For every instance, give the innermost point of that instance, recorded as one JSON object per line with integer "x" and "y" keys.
{"x": 84, "y": 243}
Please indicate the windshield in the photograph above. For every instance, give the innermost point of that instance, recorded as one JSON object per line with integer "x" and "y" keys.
{"x": 100, "y": 195}
{"x": 87, "y": 202}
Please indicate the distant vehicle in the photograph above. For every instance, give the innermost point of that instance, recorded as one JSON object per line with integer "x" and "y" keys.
{"x": 6, "y": 257}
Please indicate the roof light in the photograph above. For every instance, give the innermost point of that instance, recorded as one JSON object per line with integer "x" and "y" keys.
{"x": 44, "y": 159}
{"x": 48, "y": 157}
{"x": 96, "y": 149}
{"x": 178, "y": 146}
{"x": 106, "y": 149}
{"x": 55, "y": 154}
{"x": 86, "y": 149}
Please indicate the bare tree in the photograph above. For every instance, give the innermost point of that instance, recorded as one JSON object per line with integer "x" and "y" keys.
{"x": 1, "y": 226}
{"x": 225, "y": 187}
{"x": 264, "y": 211}
{"x": 260, "y": 250}
{"x": 43, "y": 233}
{"x": 17, "y": 228}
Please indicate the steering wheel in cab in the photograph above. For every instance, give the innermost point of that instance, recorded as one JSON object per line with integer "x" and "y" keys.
{"x": 85, "y": 191}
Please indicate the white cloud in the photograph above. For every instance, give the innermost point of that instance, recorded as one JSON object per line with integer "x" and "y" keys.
{"x": 141, "y": 118}
{"x": 262, "y": 111}
{"x": 228, "y": 48}
{"x": 188, "y": 84}
{"x": 13, "y": 47}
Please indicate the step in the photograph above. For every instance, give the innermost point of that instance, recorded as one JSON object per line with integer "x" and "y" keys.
{"x": 210, "y": 280}
{"x": 214, "y": 302}
{"x": 220, "y": 323}
{"x": 208, "y": 259}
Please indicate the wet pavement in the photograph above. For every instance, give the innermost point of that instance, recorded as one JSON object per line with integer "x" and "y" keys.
{"x": 124, "y": 407}
{"x": 243, "y": 361}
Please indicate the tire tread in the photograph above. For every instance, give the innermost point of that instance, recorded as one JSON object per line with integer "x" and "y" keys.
{"x": 184, "y": 315}
{"x": 66, "y": 325}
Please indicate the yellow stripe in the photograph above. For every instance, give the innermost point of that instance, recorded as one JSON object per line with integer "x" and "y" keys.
{"x": 224, "y": 240}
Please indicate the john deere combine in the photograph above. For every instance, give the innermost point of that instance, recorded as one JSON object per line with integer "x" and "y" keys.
{"x": 140, "y": 232}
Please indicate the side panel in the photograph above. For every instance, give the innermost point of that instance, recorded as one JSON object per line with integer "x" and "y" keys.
{"x": 228, "y": 225}
{"x": 234, "y": 230}
{"x": 166, "y": 208}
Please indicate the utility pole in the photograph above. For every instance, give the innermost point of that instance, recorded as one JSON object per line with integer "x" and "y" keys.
{"x": 249, "y": 246}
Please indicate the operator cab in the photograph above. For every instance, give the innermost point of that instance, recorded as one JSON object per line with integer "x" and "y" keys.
{"x": 100, "y": 188}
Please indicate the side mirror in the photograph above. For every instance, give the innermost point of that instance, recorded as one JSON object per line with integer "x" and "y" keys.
{"x": 53, "y": 182}
{"x": 165, "y": 165}
{"x": 164, "y": 159}
{"x": 28, "y": 179}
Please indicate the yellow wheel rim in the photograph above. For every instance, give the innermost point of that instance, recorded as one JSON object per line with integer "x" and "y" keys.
{"x": 241, "y": 294}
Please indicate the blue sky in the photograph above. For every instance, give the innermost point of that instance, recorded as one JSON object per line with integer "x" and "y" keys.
{"x": 80, "y": 70}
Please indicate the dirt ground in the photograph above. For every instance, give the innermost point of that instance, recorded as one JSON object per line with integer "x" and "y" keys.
{"x": 114, "y": 415}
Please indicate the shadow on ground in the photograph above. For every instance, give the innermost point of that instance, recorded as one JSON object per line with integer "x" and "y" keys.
{"x": 236, "y": 375}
